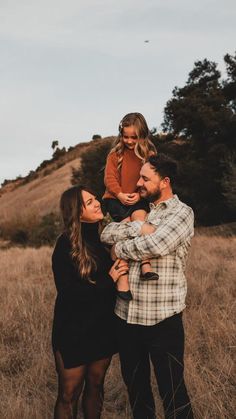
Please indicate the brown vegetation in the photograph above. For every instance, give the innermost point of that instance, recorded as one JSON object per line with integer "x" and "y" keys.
{"x": 27, "y": 376}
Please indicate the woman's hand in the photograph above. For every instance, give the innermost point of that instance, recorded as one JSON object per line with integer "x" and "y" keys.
{"x": 119, "y": 268}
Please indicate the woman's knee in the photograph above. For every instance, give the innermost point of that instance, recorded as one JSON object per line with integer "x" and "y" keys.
{"x": 94, "y": 380}
{"x": 68, "y": 392}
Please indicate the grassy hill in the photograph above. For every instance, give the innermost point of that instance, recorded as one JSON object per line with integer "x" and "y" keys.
{"x": 24, "y": 201}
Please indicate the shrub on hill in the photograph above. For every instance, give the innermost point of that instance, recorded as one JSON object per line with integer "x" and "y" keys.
{"x": 91, "y": 171}
{"x": 33, "y": 232}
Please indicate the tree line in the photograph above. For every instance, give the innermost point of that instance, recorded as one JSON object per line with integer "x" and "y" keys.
{"x": 200, "y": 126}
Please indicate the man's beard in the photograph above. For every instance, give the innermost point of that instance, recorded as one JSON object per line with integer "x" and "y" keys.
{"x": 151, "y": 196}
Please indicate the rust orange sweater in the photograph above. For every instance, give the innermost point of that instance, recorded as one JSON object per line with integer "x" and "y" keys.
{"x": 124, "y": 180}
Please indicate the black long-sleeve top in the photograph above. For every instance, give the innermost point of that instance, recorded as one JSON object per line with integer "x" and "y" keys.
{"x": 80, "y": 304}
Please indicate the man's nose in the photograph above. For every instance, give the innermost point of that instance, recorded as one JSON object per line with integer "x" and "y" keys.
{"x": 139, "y": 183}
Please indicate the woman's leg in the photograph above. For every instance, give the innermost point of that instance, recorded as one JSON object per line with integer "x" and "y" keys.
{"x": 93, "y": 393}
{"x": 70, "y": 384}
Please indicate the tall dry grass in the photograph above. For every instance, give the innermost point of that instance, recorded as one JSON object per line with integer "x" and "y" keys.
{"x": 27, "y": 376}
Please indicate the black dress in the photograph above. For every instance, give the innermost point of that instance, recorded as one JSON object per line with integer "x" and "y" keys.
{"x": 83, "y": 325}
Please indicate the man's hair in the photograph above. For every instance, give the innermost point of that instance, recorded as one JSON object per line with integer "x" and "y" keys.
{"x": 165, "y": 166}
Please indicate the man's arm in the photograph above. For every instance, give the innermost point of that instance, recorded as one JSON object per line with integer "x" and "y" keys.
{"x": 115, "y": 232}
{"x": 168, "y": 236}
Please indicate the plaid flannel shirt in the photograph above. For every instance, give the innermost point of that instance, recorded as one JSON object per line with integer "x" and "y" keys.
{"x": 167, "y": 247}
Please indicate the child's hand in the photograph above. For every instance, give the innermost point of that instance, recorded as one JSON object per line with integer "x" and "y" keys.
{"x": 133, "y": 198}
{"x": 119, "y": 268}
{"x": 124, "y": 198}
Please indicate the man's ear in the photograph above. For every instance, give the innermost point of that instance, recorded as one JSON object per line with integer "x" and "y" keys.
{"x": 165, "y": 182}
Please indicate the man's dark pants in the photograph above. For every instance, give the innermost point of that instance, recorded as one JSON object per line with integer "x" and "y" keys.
{"x": 164, "y": 343}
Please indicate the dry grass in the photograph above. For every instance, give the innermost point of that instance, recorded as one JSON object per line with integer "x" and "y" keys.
{"x": 28, "y": 379}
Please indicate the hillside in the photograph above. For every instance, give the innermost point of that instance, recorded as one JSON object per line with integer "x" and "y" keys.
{"x": 23, "y": 198}
{"x": 38, "y": 197}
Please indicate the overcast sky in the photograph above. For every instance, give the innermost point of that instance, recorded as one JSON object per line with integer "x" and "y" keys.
{"x": 74, "y": 68}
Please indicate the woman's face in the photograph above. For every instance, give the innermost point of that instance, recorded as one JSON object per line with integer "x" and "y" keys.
{"x": 91, "y": 211}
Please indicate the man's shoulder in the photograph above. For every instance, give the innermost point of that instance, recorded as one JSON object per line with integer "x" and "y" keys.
{"x": 184, "y": 207}
{"x": 169, "y": 209}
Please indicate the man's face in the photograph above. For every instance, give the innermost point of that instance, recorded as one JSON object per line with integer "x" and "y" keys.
{"x": 150, "y": 183}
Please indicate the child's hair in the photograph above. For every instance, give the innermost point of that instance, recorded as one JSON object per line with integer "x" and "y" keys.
{"x": 144, "y": 147}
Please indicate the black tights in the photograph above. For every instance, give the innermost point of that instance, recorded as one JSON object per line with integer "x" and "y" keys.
{"x": 72, "y": 381}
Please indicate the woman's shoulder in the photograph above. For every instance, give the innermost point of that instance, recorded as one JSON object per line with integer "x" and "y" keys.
{"x": 62, "y": 245}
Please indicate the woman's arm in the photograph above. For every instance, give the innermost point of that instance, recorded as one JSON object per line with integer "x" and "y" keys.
{"x": 62, "y": 267}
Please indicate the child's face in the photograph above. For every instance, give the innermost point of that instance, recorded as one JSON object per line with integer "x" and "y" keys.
{"x": 130, "y": 137}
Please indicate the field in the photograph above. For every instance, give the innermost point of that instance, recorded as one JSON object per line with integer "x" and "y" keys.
{"x": 27, "y": 376}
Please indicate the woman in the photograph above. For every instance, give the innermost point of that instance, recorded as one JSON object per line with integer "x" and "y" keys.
{"x": 82, "y": 338}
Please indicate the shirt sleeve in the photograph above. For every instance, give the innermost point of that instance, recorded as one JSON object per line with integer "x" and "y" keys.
{"x": 115, "y": 232}
{"x": 174, "y": 230}
{"x": 112, "y": 178}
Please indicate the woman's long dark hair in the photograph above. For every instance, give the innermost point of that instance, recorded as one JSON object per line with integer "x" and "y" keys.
{"x": 71, "y": 206}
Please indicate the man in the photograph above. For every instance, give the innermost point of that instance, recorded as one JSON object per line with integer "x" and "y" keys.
{"x": 151, "y": 324}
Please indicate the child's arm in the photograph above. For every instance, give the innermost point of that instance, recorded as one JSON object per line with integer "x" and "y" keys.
{"x": 111, "y": 177}
{"x": 112, "y": 180}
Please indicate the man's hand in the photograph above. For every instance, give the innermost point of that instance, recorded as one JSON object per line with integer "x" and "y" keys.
{"x": 147, "y": 229}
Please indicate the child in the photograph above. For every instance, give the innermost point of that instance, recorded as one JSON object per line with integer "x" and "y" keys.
{"x": 121, "y": 197}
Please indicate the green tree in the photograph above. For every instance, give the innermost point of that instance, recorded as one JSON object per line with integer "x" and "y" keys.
{"x": 96, "y": 137}
{"x": 55, "y": 144}
{"x": 203, "y": 114}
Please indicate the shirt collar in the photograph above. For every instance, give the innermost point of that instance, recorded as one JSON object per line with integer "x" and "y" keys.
{"x": 167, "y": 204}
